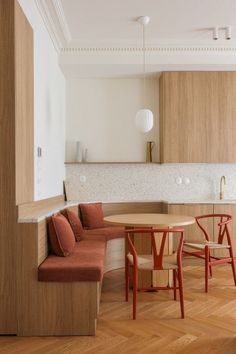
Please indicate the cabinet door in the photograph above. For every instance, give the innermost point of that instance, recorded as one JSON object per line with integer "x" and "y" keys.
{"x": 231, "y": 210}
{"x": 192, "y": 233}
{"x": 197, "y": 117}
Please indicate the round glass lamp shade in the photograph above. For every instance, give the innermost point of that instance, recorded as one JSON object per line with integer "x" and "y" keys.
{"x": 144, "y": 120}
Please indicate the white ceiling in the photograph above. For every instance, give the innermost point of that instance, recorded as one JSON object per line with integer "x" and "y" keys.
{"x": 102, "y": 38}
{"x": 113, "y": 22}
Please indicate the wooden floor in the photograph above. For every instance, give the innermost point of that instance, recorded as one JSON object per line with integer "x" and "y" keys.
{"x": 209, "y": 326}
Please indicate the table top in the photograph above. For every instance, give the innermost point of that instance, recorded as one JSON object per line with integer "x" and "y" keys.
{"x": 144, "y": 220}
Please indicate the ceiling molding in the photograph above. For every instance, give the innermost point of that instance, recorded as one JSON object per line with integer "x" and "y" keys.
{"x": 176, "y": 49}
{"x": 55, "y": 23}
{"x": 62, "y": 20}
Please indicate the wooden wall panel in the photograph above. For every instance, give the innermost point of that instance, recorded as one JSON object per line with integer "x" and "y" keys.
{"x": 40, "y": 206}
{"x": 193, "y": 232}
{"x": 16, "y": 146}
{"x": 24, "y": 107}
{"x": 132, "y": 207}
{"x": 231, "y": 210}
{"x": 50, "y": 308}
{"x": 8, "y": 213}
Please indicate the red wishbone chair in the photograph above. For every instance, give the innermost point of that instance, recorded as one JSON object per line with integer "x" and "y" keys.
{"x": 207, "y": 246}
{"x": 155, "y": 261}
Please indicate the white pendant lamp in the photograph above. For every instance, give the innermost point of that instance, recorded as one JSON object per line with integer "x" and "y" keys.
{"x": 144, "y": 117}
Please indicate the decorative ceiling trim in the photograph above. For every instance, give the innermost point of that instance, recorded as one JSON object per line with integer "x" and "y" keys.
{"x": 49, "y": 24}
{"x": 62, "y": 20}
{"x": 196, "y": 49}
{"x": 55, "y": 22}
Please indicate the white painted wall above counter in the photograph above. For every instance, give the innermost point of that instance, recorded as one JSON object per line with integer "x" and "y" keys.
{"x": 149, "y": 182}
{"x": 101, "y": 115}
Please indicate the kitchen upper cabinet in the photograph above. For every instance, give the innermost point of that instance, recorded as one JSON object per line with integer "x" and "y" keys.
{"x": 198, "y": 117}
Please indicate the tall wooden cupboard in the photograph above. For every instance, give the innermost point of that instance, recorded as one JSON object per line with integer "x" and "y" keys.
{"x": 198, "y": 117}
{"x": 16, "y": 147}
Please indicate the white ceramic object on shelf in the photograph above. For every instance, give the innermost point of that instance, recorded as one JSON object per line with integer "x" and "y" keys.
{"x": 84, "y": 155}
{"x": 78, "y": 152}
{"x": 71, "y": 151}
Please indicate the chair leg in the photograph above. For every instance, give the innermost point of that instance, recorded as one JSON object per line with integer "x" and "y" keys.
{"x": 174, "y": 283}
{"x": 181, "y": 294}
{"x": 127, "y": 280}
{"x": 135, "y": 286}
{"x": 233, "y": 265}
{"x": 210, "y": 267}
{"x": 206, "y": 268}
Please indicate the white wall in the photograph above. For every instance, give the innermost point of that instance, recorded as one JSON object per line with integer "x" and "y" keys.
{"x": 49, "y": 109}
{"x": 101, "y": 114}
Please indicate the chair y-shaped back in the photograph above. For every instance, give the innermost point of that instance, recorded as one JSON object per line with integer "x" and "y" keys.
{"x": 205, "y": 248}
{"x": 155, "y": 261}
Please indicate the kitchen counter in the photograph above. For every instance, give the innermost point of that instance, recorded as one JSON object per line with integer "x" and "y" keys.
{"x": 207, "y": 201}
{"x": 37, "y": 217}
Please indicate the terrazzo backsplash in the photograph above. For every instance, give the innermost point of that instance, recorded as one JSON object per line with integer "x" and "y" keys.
{"x": 149, "y": 182}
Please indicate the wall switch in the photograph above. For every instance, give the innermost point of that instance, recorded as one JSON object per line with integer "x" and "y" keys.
{"x": 82, "y": 179}
{"x": 39, "y": 151}
{"x": 186, "y": 181}
{"x": 178, "y": 180}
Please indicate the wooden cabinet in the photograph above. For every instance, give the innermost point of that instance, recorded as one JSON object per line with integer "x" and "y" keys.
{"x": 16, "y": 147}
{"x": 192, "y": 232}
{"x": 231, "y": 210}
{"x": 197, "y": 117}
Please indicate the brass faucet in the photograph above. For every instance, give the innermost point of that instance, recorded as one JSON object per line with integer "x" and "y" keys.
{"x": 223, "y": 179}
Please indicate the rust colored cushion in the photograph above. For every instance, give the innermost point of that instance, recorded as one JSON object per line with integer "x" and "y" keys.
{"x": 92, "y": 215}
{"x": 74, "y": 222}
{"x": 61, "y": 236}
{"x": 86, "y": 263}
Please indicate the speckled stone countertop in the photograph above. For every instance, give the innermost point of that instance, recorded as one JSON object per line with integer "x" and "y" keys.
{"x": 207, "y": 201}
{"x": 37, "y": 217}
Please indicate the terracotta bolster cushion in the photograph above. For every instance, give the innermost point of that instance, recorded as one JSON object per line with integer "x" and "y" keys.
{"x": 86, "y": 263}
{"x": 107, "y": 233}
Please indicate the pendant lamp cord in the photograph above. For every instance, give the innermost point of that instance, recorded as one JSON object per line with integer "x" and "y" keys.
{"x": 144, "y": 67}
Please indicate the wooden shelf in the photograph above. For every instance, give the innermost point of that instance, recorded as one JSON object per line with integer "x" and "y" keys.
{"x": 111, "y": 163}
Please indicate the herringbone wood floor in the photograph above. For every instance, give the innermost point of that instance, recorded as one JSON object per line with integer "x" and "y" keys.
{"x": 209, "y": 326}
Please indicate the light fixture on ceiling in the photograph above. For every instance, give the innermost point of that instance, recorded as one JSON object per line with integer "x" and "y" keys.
{"x": 217, "y": 30}
{"x": 144, "y": 116}
{"x": 215, "y": 33}
{"x": 228, "y": 33}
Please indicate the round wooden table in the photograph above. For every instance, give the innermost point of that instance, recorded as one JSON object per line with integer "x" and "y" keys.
{"x": 143, "y": 245}
{"x": 149, "y": 220}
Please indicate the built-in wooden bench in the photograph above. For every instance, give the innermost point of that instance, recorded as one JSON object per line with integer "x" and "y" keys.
{"x": 57, "y": 295}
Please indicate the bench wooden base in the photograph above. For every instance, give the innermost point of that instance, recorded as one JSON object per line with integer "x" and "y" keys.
{"x": 60, "y": 309}
{"x": 48, "y": 308}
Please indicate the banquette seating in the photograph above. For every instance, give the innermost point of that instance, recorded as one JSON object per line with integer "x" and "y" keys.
{"x": 85, "y": 261}
{"x": 60, "y": 283}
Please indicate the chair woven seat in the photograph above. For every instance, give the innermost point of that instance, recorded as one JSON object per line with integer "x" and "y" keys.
{"x": 211, "y": 245}
{"x": 145, "y": 261}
